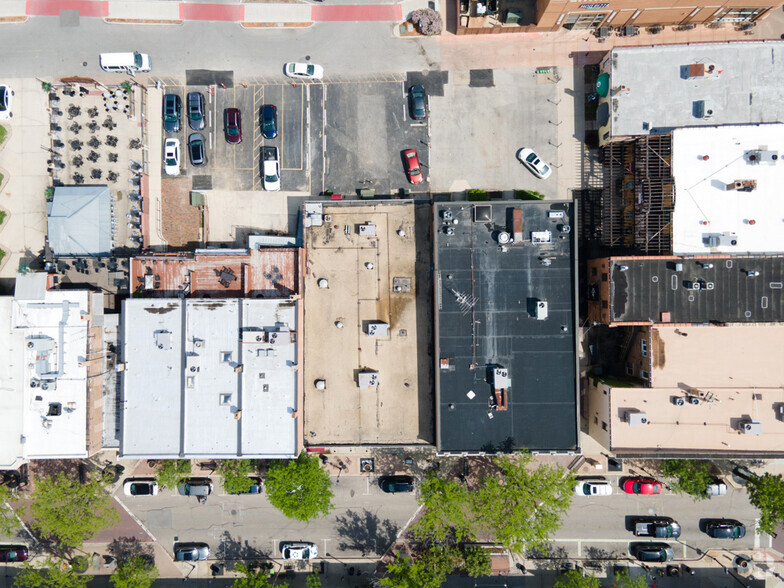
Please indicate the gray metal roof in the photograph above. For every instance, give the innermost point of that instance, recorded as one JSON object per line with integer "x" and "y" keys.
{"x": 654, "y": 91}
{"x": 483, "y": 298}
{"x": 80, "y": 221}
{"x": 641, "y": 289}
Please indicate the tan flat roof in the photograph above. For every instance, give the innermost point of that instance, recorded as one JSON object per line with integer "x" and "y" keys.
{"x": 360, "y": 270}
{"x": 737, "y": 356}
{"x": 715, "y": 424}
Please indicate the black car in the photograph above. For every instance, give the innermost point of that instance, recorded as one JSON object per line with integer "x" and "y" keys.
{"x": 196, "y": 150}
{"x": 725, "y": 529}
{"x": 191, "y": 551}
{"x": 418, "y": 102}
{"x": 393, "y": 484}
{"x": 660, "y": 552}
{"x": 196, "y": 110}
{"x": 269, "y": 121}
{"x": 172, "y": 106}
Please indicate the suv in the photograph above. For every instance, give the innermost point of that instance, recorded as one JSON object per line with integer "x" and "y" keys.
{"x": 660, "y": 552}
{"x": 172, "y": 106}
{"x": 393, "y": 484}
{"x": 196, "y": 110}
{"x": 200, "y": 487}
{"x": 298, "y": 550}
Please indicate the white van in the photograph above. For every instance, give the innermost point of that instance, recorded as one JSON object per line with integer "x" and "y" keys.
{"x": 125, "y": 62}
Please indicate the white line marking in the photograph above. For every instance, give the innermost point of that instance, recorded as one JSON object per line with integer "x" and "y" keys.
{"x": 135, "y": 518}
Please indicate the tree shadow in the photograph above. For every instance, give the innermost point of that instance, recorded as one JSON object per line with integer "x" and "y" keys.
{"x": 232, "y": 550}
{"x": 127, "y": 548}
{"x": 550, "y": 558}
{"x": 365, "y": 532}
{"x": 597, "y": 554}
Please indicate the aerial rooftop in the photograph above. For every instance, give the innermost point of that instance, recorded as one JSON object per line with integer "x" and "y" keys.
{"x": 728, "y": 189}
{"x": 367, "y": 324}
{"x": 210, "y": 378}
{"x": 218, "y": 273}
{"x": 505, "y": 326}
{"x": 656, "y": 89}
{"x": 44, "y": 335}
{"x": 723, "y": 289}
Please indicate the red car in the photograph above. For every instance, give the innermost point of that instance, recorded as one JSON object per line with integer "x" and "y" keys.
{"x": 12, "y": 553}
{"x": 412, "y": 166}
{"x": 641, "y": 486}
{"x": 232, "y": 125}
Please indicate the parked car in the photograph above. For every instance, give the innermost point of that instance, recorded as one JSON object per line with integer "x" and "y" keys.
{"x": 641, "y": 486}
{"x": 191, "y": 551}
{"x": 232, "y": 125}
{"x": 196, "y": 110}
{"x": 534, "y": 163}
{"x": 268, "y": 118}
{"x": 309, "y": 71}
{"x": 593, "y": 488}
{"x": 663, "y": 527}
{"x": 200, "y": 487}
{"x": 270, "y": 168}
{"x": 196, "y": 149}
{"x": 417, "y": 99}
{"x": 140, "y": 488}
{"x": 13, "y": 553}
{"x": 298, "y": 550}
{"x": 660, "y": 552}
{"x": 716, "y": 488}
{"x": 725, "y": 529}
{"x": 172, "y": 107}
{"x": 255, "y": 486}
{"x": 6, "y": 99}
{"x": 393, "y": 484}
{"x": 413, "y": 170}
{"x": 171, "y": 157}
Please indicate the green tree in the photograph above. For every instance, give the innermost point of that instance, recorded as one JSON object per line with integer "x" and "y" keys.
{"x": 766, "y": 492}
{"x": 171, "y": 471}
{"x": 8, "y": 521}
{"x": 300, "y": 488}
{"x": 476, "y": 562}
{"x": 521, "y": 507}
{"x": 445, "y": 513}
{"x": 623, "y": 580}
{"x": 427, "y": 571}
{"x": 53, "y": 573}
{"x": 235, "y": 473}
{"x": 254, "y": 578}
{"x": 688, "y": 476}
{"x": 575, "y": 579}
{"x": 135, "y": 572}
{"x": 313, "y": 580}
{"x": 69, "y": 511}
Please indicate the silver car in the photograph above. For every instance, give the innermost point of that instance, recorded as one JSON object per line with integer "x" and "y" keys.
{"x": 191, "y": 551}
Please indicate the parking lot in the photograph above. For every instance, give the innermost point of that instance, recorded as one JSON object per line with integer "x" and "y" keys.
{"x": 236, "y": 167}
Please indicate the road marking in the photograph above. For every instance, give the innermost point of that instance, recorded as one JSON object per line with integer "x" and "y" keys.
{"x": 136, "y": 519}
{"x": 756, "y": 534}
{"x": 367, "y": 486}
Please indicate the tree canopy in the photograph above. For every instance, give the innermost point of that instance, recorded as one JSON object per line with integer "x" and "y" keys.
{"x": 766, "y": 492}
{"x": 134, "y": 572}
{"x": 445, "y": 514}
{"x": 429, "y": 570}
{"x": 688, "y": 476}
{"x": 69, "y": 511}
{"x": 623, "y": 580}
{"x": 300, "y": 488}
{"x": 236, "y": 475}
{"x": 53, "y": 573}
{"x": 254, "y": 578}
{"x": 171, "y": 471}
{"x": 8, "y": 521}
{"x": 575, "y": 579}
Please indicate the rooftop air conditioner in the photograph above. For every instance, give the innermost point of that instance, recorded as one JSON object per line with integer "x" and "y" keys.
{"x": 751, "y": 427}
{"x": 636, "y": 418}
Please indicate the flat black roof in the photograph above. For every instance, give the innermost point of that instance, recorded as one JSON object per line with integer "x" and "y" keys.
{"x": 501, "y": 330}
{"x": 642, "y": 289}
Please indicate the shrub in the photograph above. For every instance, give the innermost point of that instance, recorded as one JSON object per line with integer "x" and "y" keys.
{"x": 528, "y": 195}
{"x": 46, "y": 87}
{"x": 478, "y": 196}
{"x": 427, "y": 21}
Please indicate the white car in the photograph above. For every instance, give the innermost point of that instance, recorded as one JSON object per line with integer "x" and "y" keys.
{"x": 534, "y": 163}
{"x": 171, "y": 157}
{"x": 6, "y": 98}
{"x": 593, "y": 488}
{"x": 307, "y": 71}
{"x": 298, "y": 550}
{"x": 270, "y": 168}
{"x": 140, "y": 487}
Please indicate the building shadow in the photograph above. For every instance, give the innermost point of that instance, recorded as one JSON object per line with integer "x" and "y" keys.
{"x": 365, "y": 532}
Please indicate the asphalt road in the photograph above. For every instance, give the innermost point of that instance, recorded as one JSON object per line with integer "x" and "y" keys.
{"x": 596, "y": 528}
{"x": 365, "y": 521}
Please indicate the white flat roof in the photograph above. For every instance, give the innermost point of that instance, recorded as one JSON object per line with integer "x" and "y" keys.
{"x": 704, "y": 207}
{"x": 197, "y": 385}
{"x": 43, "y": 386}
{"x": 654, "y": 91}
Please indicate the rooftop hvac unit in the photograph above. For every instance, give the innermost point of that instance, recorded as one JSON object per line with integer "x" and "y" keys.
{"x": 761, "y": 156}
{"x": 540, "y": 310}
{"x": 751, "y": 427}
{"x": 636, "y": 419}
{"x": 704, "y": 109}
{"x": 694, "y": 401}
{"x": 678, "y": 401}
{"x": 720, "y": 239}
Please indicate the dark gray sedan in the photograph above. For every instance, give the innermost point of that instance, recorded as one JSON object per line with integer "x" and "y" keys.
{"x": 725, "y": 529}
{"x": 196, "y": 149}
{"x": 191, "y": 551}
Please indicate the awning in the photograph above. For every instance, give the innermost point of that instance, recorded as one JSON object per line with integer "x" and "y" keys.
{"x": 603, "y": 84}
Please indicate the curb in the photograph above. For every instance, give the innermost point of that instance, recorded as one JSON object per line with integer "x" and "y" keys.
{"x": 142, "y": 21}
{"x": 276, "y": 25}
